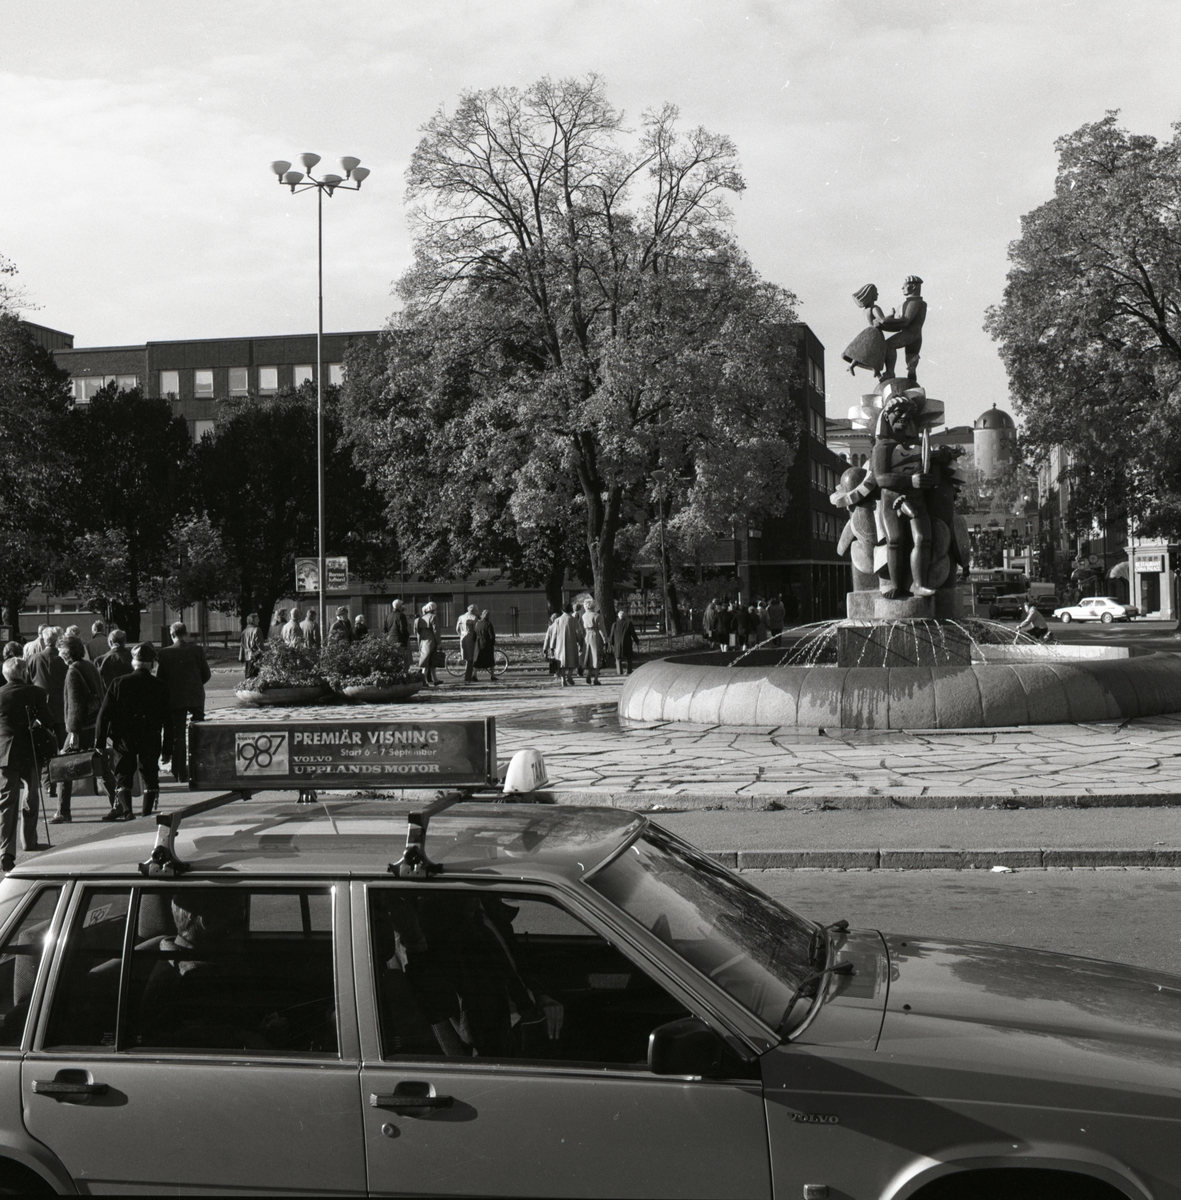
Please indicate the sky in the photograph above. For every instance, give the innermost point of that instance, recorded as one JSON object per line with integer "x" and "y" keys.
{"x": 878, "y": 140}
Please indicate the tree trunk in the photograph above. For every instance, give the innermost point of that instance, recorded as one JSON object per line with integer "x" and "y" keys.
{"x": 12, "y": 613}
{"x": 553, "y": 584}
{"x": 676, "y": 624}
{"x": 602, "y": 523}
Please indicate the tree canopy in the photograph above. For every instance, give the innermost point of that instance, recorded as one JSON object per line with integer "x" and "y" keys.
{"x": 577, "y": 316}
{"x": 36, "y": 472}
{"x": 1090, "y": 324}
{"x": 132, "y": 457}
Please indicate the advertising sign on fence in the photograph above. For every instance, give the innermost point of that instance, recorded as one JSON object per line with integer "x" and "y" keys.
{"x": 279, "y": 755}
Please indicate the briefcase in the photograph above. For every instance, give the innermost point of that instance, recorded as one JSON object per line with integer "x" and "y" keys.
{"x": 69, "y": 768}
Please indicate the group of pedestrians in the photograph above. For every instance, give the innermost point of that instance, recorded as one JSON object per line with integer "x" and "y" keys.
{"x": 577, "y": 641}
{"x": 133, "y": 705}
{"x": 738, "y": 625}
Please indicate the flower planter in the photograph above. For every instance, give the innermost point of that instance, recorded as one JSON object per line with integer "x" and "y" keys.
{"x": 380, "y": 695}
{"x": 284, "y": 695}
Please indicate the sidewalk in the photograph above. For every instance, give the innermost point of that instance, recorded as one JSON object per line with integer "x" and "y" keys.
{"x": 1033, "y": 797}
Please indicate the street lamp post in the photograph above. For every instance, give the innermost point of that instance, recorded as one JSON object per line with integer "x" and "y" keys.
{"x": 661, "y": 478}
{"x": 302, "y": 181}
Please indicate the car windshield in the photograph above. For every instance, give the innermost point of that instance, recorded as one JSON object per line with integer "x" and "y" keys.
{"x": 750, "y": 946}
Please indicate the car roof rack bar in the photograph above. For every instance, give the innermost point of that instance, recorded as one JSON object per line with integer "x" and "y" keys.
{"x": 414, "y": 863}
{"x": 163, "y": 860}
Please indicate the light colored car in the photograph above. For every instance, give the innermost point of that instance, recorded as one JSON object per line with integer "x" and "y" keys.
{"x": 1097, "y": 608}
{"x": 564, "y": 1002}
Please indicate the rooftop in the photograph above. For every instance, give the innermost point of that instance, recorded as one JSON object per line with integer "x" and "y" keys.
{"x": 346, "y": 837}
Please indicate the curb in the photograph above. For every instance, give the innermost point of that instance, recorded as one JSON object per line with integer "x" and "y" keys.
{"x": 944, "y": 860}
{"x": 772, "y": 801}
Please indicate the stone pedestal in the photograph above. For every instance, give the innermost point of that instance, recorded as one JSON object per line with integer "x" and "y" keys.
{"x": 873, "y": 606}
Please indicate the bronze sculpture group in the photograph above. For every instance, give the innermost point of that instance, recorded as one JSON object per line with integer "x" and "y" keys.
{"x": 902, "y": 533}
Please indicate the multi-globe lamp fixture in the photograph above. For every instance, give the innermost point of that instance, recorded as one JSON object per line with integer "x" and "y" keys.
{"x": 301, "y": 181}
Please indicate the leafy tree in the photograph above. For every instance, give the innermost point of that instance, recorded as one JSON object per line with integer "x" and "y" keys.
{"x": 198, "y": 570}
{"x": 589, "y": 315}
{"x": 131, "y": 456}
{"x": 257, "y": 483}
{"x": 1090, "y": 324}
{"x": 36, "y": 473}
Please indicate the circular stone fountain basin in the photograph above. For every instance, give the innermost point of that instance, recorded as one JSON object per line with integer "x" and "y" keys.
{"x": 1013, "y": 685}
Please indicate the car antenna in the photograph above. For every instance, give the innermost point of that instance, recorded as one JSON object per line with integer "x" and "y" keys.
{"x": 163, "y": 859}
{"x": 414, "y": 863}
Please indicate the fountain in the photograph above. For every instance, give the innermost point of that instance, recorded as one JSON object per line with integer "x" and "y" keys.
{"x": 904, "y": 658}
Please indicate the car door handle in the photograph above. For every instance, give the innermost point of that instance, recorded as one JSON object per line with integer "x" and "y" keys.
{"x": 409, "y": 1096}
{"x": 60, "y": 1087}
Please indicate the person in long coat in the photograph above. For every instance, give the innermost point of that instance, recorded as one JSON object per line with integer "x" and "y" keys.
{"x": 426, "y": 627}
{"x": 594, "y": 641}
{"x": 249, "y": 647}
{"x": 341, "y": 630}
{"x": 83, "y": 695}
{"x": 19, "y": 702}
{"x": 561, "y": 644}
{"x": 466, "y": 628}
{"x": 623, "y": 637}
{"x": 485, "y": 636}
{"x": 48, "y": 672}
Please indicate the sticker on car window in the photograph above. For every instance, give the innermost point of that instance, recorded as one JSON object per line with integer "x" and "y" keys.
{"x": 261, "y": 754}
{"x": 96, "y": 916}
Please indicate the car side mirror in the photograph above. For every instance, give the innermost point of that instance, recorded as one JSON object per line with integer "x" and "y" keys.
{"x": 686, "y": 1047}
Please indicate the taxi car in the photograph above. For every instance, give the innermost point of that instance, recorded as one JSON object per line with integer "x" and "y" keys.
{"x": 529, "y": 1000}
{"x": 1097, "y": 608}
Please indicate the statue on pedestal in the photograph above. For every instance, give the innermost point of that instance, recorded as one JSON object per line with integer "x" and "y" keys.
{"x": 903, "y": 534}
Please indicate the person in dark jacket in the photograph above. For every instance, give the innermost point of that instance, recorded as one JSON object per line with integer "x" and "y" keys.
{"x": 623, "y": 638}
{"x": 116, "y": 661}
{"x": 360, "y": 629}
{"x": 19, "y": 702}
{"x": 48, "y": 672}
{"x": 84, "y": 693}
{"x": 397, "y": 630}
{"x": 97, "y": 646}
{"x": 739, "y": 625}
{"x": 136, "y": 718}
{"x": 485, "y": 646}
{"x": 341, "y": 630}
{"x": 309, "y": 628}
{"x": 184, "y": 671}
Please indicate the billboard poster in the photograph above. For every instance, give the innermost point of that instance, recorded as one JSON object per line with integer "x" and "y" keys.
{"x": 307, "y": 574}
{"x": 341, "y": 753}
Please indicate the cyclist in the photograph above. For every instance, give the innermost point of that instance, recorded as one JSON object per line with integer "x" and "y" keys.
{"x": 1034, "y": 623}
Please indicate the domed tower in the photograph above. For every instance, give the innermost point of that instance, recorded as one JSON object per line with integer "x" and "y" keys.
{"x": 994, "y": 439}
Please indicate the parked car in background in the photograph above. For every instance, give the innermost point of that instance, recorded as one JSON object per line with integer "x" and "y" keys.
{"x": 541, "y": 1001}
{"x": 1007, "y": 608}
{"x": 1097, "y": 608}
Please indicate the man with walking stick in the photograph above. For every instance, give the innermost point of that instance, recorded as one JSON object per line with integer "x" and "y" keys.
{"x": 20, "y": 704}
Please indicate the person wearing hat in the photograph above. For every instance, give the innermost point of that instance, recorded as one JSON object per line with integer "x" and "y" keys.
{"x": 341, "y": 630}
{"x": 906, "y": 330}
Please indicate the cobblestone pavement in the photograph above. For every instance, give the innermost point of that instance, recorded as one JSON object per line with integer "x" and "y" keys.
{"x": 593, "y": 759}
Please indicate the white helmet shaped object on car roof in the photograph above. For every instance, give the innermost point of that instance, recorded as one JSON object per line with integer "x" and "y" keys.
{"x": 526, "y": 772}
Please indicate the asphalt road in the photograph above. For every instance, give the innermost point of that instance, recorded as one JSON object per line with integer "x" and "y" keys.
{"x": 1126, "y": 915}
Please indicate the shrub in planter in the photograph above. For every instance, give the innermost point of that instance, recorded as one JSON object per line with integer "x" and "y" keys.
{"x": 284, "y": 666}
{"x": 371, "y": 662}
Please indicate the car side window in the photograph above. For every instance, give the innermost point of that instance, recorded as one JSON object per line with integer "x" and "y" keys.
{"x": 506, "y": 977}
{"x": 86, "y": 995}
{"x": 20, "y": 960}
{"x": 209, "y": 968}
{"x": 233, "y": 969}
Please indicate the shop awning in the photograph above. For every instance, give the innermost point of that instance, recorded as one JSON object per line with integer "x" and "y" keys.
{"x": 1119, "y": 571}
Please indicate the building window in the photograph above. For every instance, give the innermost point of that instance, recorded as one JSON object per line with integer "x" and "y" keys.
{"x": 170, "y": 383}
{"x": 201, "y": 429}
{"x": 816, "y": 375}
{"x": 85, "y": 386}
{"x": 239, "y": 381}
{"x": 336, "y": 374}
{"x": 203, "y": 384}
{"x": 268, "y": 379}
{"x": 303, "y": 374}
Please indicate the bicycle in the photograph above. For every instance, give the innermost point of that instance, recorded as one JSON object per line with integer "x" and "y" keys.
{"x": 456, "y": 666}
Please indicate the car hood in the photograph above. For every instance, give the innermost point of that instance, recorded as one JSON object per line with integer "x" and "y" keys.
{"x": 1049, "y": 1019}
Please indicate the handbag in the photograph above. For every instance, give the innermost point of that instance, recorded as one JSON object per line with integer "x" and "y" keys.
{"x": 81, "y": 764}
{"x": 438, "y": 658}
